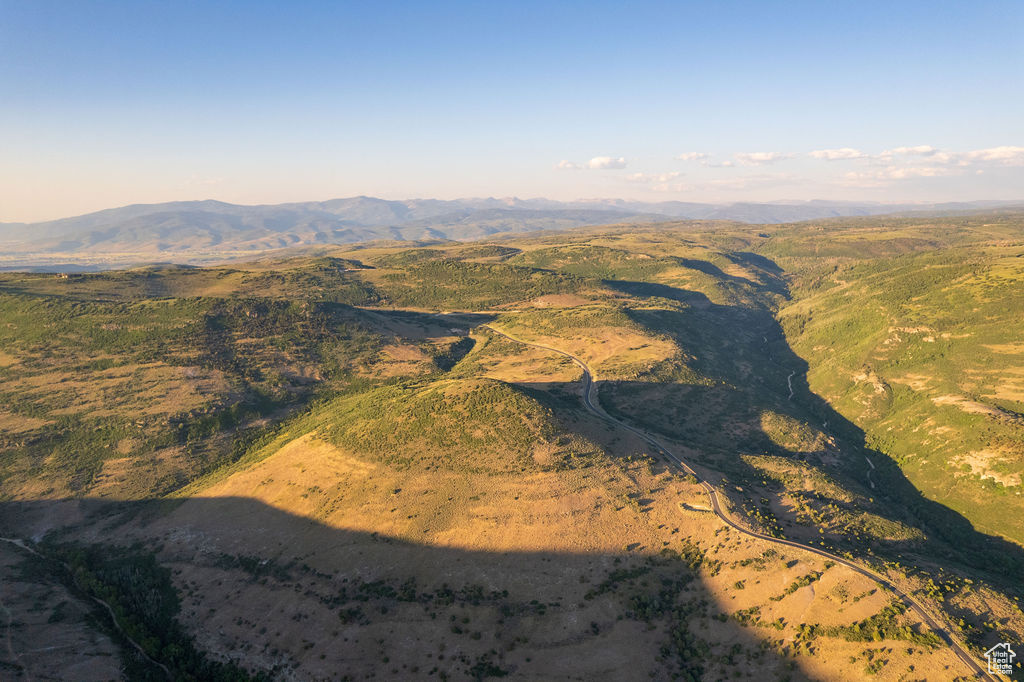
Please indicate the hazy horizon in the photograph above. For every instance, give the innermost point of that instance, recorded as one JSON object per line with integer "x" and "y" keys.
{"x": 115, "y": 104}
{"x": 612, "y": 203}
{"x": 542, "y": 340}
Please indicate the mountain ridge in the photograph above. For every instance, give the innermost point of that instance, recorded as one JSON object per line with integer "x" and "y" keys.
{"x": 183, "y": 228}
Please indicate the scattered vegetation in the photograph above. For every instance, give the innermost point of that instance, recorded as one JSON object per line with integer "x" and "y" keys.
{"x": 851, "y": 384}
{"x": 144, "y": 607}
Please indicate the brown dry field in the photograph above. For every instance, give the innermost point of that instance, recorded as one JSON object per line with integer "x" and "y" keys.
{"x": 548, "y": 538}
{"x": 612, "y": 353}
{"x": 559, "y": 301}
{"x": 145, "y": 389}
{"x": 537, "y": 537}
{"x": 327, "y": 516}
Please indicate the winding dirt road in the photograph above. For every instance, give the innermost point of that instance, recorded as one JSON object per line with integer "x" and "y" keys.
{"x": 18, "y": 542}
{"x": 589, "y": 401}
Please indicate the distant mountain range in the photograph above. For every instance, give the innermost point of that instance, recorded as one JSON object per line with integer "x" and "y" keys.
{"x": 179, "y": 230}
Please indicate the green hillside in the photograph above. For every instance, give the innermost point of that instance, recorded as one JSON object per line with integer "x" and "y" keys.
{"x": 855, "y": 385}
{"x": 922, "y": 350}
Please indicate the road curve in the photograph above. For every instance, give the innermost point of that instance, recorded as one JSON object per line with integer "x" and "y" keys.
{"x": 597, "y": 410}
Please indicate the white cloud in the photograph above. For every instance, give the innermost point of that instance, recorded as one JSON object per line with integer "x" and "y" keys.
{"x": 926, "y": 161}
{"x": 1005, "y": 155}
{"x": 596, "y": 163}
{"x": 918, "y": 172}
{"x": 925, "y": 152}
{"x": 606, "y": 163}
{"x": 653, "y": 177}
{"x": 919, "y": 150}
{"x": 841, "y": 154}
{"x": 878, "y": 176}
{"x": 879, "y": 169}
{"x": 759, "y": 158}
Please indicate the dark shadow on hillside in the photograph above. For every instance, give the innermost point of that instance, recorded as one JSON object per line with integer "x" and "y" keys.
{"x": 652, "y": 290}
{"x": 756, "y": 260}
{"x": 442, "y": 323}
{"x": 772, "y": 275}
{"x": 710, "y": 269}
{"x": 325, "y": 580}
{"x": 769, "y": 273}
{"x": 289, "y": 596}
{"x": 744, "y": 352}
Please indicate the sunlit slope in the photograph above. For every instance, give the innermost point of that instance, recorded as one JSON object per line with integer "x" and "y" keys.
{"x": 351, "y": 416}
{"x": 924, "y": 352}
{"x": 475, "y": 463}
{"x": 131, "y": 384}
{"x": 501, "y": 507}
{"x": 718, "y": 377}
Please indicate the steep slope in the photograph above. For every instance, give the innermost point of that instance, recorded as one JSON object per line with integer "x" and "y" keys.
{"x": 930, "y": 366}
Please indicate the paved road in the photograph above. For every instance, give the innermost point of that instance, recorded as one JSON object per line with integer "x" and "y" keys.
{"x": 589, "y": 400}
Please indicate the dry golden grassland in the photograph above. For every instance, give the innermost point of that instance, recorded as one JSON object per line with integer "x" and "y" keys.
{"x": 348, "y": 475}
{"x": 548, "y": 537}
{"x": 520, "y": 553}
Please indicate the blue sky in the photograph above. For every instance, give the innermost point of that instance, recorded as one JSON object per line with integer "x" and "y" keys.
{"x": 110, "y": 103}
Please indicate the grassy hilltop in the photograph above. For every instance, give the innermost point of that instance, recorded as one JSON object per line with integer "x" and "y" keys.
{"x": 326, "y": 466}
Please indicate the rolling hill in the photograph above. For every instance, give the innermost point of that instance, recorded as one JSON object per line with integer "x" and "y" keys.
{"x": 205, "y": 231}
{"x": 331, "y": 465}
